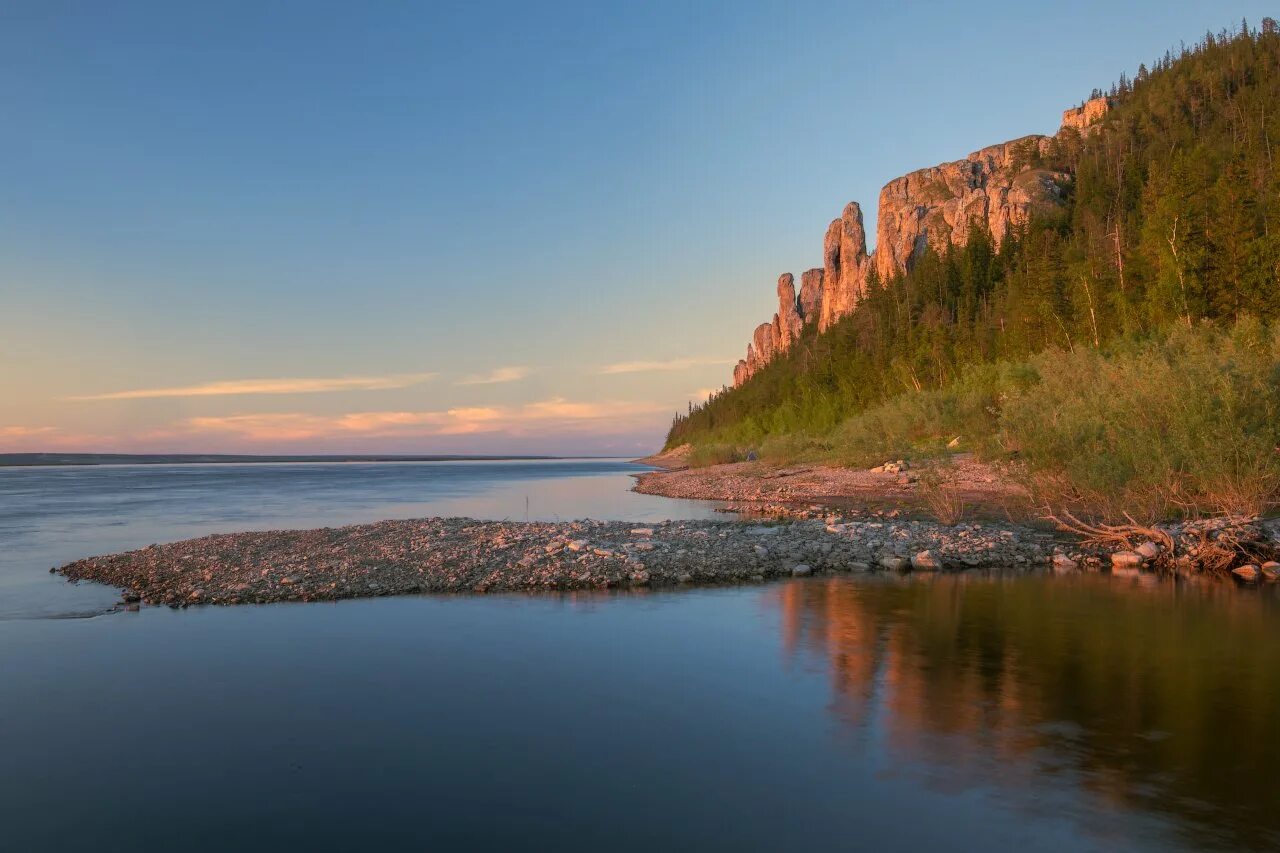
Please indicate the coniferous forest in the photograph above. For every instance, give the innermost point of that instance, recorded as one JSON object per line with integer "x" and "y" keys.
{"x": 1170, "y": 227}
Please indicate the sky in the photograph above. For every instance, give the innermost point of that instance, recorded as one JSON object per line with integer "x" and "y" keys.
{"x": 466, "y": 227}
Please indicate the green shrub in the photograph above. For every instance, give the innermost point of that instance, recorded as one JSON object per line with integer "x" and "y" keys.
{"x": 714, "y": 454}
{"x": 1185, "y": 423}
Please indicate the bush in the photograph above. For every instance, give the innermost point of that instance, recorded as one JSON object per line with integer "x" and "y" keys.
{"x": 714, "y": 454}
{"x": 1182, "y": 424}
{"x": 925, "y": 422}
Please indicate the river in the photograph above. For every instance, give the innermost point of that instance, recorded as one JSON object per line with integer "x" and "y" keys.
{"x": 894, "y": 712}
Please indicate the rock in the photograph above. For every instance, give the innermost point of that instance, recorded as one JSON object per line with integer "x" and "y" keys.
{"x": 790, "y": 321}
{"x": 1083, "y": 117}
{"x": 1148, "y": 550}
{"x": 810, "y": 299}
{"x": 642, "y": 531}
{"x": 640, "y": 578}
{"x": 760, "y": 551}
{"x": 894, "y": 563}
{"x": 1248, "y": 573}
{"x": 801, "y": 570}
{"x": 577, "y": 545}
{"x": 844, "y": 265}
{"x": 1271, "y": 570}
{"x": 940, "y": 206}
{"x": 857, "y": 566}
{"x": 954, "y": 443}
{"x": 926, "y": 561}
{"x": 1126, "y": 560}
{"x": 994, "y": 188}
{"x": 1063, "y": 563}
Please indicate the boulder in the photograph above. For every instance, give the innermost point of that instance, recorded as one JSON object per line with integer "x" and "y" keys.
{"x": 1063, "y": 563}
{"x": 1248, "y": 573}
{"x": 926, "y": 561}
{"x": 1126, "y": 560}
{"x": 1148, "y": 550}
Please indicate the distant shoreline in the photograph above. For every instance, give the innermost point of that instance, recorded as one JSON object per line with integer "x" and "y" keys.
{"x": 26, "y": 460}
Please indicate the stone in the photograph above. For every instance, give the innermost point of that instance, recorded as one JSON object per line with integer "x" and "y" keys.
{"x": 1271, "y": 570}
{"x": 801, "y": 570}
{"x": 1126, "y": 560}
{"x": 1148, "y": 550}
{"x": 894, "y": 563}
{"x": 926, "y": 561}
{"x": 642, "y": 531}
{"x": 640, "y": 578}
{"x": 1248, "y": 573}
{"x": 1063, "y": 563}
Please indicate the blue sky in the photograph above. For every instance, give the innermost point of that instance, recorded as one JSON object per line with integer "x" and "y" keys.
{"x": 322, "y": 227}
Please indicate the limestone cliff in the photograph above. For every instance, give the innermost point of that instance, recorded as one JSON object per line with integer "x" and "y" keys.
{"x": 995, "y": 188}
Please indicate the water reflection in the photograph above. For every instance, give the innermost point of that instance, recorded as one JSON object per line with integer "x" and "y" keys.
{"x": 1150, "y": 697}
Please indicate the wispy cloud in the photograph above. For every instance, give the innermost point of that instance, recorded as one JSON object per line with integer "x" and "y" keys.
{"x": 553, "y": 416}
{"x": 25, "y": 432}
{"x": 232, "y": 387}
{"x": 668, "y": 365}
{"x": 496, "y": 376}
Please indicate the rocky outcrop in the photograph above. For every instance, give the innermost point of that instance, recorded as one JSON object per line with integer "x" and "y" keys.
{"x": 844, "y": 265}
{"x": 996, "y": 189}
{"x": 777, "y": 336}
{"x": 811, "y": 293}
{"x": 1085, "y": 116}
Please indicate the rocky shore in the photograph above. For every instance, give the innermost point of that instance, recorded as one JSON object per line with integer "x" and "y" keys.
{"x": 1243, "y": 548}
{"x": 456, "y": 555}
{"x": 977, "y": 485}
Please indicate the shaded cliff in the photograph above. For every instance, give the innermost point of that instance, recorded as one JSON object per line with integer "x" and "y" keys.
{"x": 997, "y": 189}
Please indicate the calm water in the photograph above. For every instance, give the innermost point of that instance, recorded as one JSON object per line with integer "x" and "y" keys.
{"x": 949, "y": 712}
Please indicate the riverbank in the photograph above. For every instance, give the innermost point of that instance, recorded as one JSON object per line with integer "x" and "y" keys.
{"x": 966, "y": 482}
{"x": 463, "y": 555}
{"x": 1243, "y": 547}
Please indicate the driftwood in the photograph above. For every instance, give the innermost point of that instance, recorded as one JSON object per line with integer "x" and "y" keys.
{"x": 1110, "y": 534}
{"x": 1216, "y": 549}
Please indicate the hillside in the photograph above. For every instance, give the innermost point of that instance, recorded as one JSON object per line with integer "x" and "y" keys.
{"x": 1155, "y": 208}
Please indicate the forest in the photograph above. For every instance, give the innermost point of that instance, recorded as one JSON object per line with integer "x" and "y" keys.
{"x": 1167, "y": 244}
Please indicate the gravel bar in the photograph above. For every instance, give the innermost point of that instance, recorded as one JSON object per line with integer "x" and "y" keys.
{"x": 463, "y": 555}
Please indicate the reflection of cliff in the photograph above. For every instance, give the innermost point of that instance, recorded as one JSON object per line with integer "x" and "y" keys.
{"x": 1148, "y": 697}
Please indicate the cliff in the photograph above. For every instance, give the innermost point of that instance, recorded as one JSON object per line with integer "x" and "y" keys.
{"x": 995, "y": 188}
